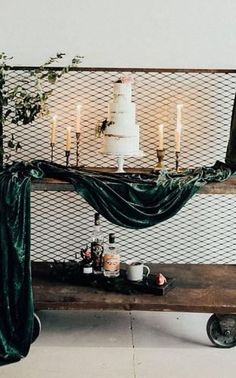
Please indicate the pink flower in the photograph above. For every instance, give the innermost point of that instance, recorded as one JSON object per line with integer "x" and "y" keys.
{"x": 160, "y": 279}
{"x": 127, "y": 79}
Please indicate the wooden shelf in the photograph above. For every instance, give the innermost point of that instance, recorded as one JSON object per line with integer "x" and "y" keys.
{"x": 199, "y": 288}
{"x": 225, "y": 187}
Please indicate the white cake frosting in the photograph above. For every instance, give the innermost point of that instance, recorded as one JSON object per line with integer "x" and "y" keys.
{"x": 121, "y": 137}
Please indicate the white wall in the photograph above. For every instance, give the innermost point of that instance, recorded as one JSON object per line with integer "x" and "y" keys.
{"x": 125, "y": 33}
{"x": 137, "y": 33}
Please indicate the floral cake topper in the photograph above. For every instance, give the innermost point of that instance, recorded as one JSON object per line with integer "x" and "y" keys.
{"x": 126, "y": 79}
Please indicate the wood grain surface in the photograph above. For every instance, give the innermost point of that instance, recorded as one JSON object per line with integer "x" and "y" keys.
{"x": 199, "y": 288}
{"x": 224, "y": 187}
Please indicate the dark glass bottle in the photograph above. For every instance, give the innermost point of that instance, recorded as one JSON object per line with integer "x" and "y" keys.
{"x": 97, "y": 241}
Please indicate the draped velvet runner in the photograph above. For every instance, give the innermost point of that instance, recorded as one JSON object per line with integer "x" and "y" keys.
{"x": 16, "y": 301}
{"x": 128, "y": 200}
{"x": 230, "y": 158}
{"x": 136, "y": 200}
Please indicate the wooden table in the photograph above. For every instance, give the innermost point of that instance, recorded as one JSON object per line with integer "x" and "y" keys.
{"x": 199, "y": 288}
{"x": 224, "y": 187}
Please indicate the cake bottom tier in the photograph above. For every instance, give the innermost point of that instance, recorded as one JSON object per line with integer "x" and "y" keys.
{"x": 121, "y": 145}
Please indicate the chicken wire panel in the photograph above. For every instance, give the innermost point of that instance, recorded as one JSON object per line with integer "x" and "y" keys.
{"x": 207, "y": 100}
{"x": 62, "y": 223}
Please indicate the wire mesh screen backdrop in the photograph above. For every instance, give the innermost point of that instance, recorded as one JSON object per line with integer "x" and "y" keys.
{"x": 62, "y": 222}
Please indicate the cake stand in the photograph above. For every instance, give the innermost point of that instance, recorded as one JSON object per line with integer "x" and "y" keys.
{"x": 121, "y": 160}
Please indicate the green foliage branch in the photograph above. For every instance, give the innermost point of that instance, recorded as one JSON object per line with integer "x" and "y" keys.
{"x": 28, "y": 99}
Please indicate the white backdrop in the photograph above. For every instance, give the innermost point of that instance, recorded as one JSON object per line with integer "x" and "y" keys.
{"x": 126, "y": 33}
{"x": 150, "y": 33}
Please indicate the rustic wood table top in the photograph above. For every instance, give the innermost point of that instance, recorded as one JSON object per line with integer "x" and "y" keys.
{"x": 48, "y": 184}
{"x": 199, "y": 288}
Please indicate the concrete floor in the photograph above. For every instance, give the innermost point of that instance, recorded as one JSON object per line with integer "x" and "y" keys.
{"x": 88, "y": 344}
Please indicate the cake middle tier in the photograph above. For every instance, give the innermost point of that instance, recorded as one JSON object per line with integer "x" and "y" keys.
{"x": 119, "y": 113}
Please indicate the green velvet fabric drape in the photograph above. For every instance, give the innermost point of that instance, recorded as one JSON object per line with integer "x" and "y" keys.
{"x": 129, "y": 200}
{"x": 230, "y": 158}
{"x": 137, "y": 200}
{"x": 16, "y": 303}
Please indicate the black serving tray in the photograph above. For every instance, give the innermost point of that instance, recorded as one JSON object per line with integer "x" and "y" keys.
{"x": 71, "y": 272}
{"x": 149, "y": 285}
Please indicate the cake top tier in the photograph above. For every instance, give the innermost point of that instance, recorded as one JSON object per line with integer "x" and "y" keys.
{"x": 122, "y": 92}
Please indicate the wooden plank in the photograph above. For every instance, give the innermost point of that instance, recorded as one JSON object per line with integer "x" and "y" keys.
{"x": 224, "y": 187}
{"x": 134, "y": 69}
{"x": 49, "y": 184}
{"x": 199, "y": 288}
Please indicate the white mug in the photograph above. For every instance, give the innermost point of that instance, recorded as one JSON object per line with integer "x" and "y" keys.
{"x": 135, "y": 270}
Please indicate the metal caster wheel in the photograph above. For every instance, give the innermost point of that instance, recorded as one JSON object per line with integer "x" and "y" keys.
{"x": 36, "y": 328}
{"x": 221, "y": 330}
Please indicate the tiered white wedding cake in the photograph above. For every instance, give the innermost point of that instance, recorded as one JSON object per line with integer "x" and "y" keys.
{"x": 121, "y": 133}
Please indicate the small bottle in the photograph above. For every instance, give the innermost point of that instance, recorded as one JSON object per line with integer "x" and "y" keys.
{"x": 88, "y": 273}
{"x": 87, "y": 262}
{"x": 97, "y": 240}
{"x": 111, "y": 259}
{"x": 87, "y": 268}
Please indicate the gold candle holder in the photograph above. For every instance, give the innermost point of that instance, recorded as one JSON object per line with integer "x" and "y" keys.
{"x": 160, "y": 157}
{"x": 52, "y": 145}
{"x": 77, "y": 134}
{"x": 177, "y": 155}
{"x": 67, "y": 155}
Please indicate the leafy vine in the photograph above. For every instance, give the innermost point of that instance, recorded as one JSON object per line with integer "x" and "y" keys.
{"x": 21, "y": 104}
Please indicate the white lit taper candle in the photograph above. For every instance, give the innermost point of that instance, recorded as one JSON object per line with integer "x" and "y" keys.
{"x": 161, "y": 137}
{"x": 68, "y": 138}
{"x": 78, "y": 118}
{"x": 179, "y": 108}
{"x": 178, "y": 129}
{"x": 53, "y": 130}
{"x": 177, "y": 139}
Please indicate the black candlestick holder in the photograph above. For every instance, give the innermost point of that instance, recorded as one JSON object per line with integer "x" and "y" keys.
{"x": 67, "y": 155}
{"x": 52, "y": 145}
{"x": 160, "y": 157}
{"x": 177, "y": 155}
{"x": 77, "y": 134}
